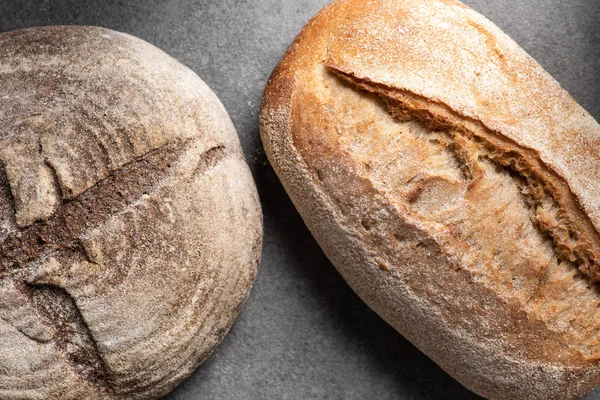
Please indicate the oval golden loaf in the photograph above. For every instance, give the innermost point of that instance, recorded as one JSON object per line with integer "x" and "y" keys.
{"x": 453, "y": 183}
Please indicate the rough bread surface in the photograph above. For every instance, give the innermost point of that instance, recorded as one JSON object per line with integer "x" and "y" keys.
{"x": 453, "y": 183}
{"x": 130, "y": 227}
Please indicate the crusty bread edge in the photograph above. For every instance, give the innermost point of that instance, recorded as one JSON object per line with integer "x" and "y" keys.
{"x": 218, "y": 119}
{"x": 215, "y": 120}
{"x": 496, "y": 375}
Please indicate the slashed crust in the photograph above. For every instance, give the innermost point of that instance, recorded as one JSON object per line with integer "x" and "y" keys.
{"x": 130, "y": 226}
{"x": 361, "y": 82}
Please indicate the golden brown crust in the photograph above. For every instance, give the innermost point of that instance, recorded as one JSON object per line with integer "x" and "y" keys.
{"x": 451, "y": 209}
{"x": 494, "y": 82}
{"x": 130, "y": 228}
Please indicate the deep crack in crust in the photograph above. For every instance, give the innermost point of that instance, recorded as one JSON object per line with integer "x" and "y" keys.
{"x": 59, "y": 235}
{"x": 451, "y": 182}
{"x": 471, "y": 178}
{"x": 556, "y": 210}
{"x": 71, "y": 333}
{"x": 59, "y": 238}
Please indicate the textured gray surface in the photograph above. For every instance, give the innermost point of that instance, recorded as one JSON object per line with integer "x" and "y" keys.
{"x": 303, "y": 334}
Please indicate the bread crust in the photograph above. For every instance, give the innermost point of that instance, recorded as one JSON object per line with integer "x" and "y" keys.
{"x": 130, "y": 224}
{"x": 411, "y": 60}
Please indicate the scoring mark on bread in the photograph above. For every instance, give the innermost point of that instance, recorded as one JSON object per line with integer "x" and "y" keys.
{"x": 486, "y": 217}
{"x": 71, "y": 333}
{"x": 7, "y": 203}
{"x": 556, "y": 210}
{"x": 96, "y": 205}
{"x": 210, "y": 159}
{"x": 59, "y": 236}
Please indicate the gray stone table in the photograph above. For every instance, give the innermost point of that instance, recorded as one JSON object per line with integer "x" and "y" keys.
{"x": 303, "y": 333}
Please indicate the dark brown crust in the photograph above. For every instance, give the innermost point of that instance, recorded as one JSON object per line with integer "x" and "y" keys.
{"x": 71, "y": 334}
{"x": 60, "y": 234}
{"x": 59, "y": 237}
{"x": 130, "y": 227}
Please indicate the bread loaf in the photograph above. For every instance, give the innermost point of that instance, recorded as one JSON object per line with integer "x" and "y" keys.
{"x": 130, "y": 228}
{"x": 454, "y": 185}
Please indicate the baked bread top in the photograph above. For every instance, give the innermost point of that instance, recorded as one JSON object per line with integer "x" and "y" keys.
{"x": 471, "y": 73}
{"x": 450, "y": 179}
{"x": 130, "y": 224}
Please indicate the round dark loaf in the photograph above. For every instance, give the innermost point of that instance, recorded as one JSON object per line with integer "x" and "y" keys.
{"x": 453, "y": 183}
{"x": 130, "y": 227}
